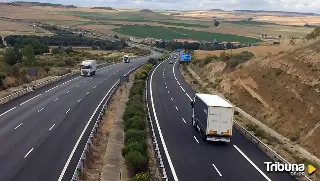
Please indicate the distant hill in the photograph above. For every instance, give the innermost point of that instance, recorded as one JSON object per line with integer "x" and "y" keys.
{"x": 146, "y": 11}
{"x": 285, "y": 12}
{"x": 42, "y": 4}
{"x": 216, "y": 10}
{"x": 105, "y": 8}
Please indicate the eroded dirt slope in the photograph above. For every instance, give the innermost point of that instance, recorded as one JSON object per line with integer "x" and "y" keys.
{"x": 282, "y": 91}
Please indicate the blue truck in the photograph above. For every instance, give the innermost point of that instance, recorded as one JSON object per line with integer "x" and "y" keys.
{"x": 185, "y": 57}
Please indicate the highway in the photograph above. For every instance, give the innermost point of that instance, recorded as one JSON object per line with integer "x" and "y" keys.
{"x": 39, "y": 131}
{"x": 186, "y": 156}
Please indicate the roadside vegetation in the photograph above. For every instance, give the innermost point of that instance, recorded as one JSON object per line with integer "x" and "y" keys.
{"x": 135, "y": 149}
{"x": 32, "y": 53}
{"x": 261, "y": 87}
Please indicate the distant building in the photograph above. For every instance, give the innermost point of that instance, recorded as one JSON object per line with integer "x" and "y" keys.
{"x": 234, "y": 44}
{"x": 184, "y": 40}
{"x": 149, "y": 40}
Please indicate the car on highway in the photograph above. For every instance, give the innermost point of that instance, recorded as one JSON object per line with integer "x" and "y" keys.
{"x": 170, "y": 62}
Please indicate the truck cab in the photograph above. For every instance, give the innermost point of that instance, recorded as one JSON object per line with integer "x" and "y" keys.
{"x": 126, "y": 59}
{"x": 88, "y": 67}
{"x": 212, "y": 116}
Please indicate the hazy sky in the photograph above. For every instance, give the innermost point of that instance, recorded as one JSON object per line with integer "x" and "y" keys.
{"x": 278, "y": 5}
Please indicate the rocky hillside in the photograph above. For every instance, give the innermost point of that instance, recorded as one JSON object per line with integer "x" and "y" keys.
{"x": 282, "y": 91}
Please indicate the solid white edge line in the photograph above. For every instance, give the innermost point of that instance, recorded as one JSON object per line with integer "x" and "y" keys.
{"x": 51, "y": 127}
{"x": 196, "y": 139}
{"x": 159, "y": 129}
{"x": 30, "y": 99}
{"x": 217, "y": 170}
{"x": 7, "y": 111}
{"x": 80, "y": 137}
{"x": 188, "y": 96}
{"x": 18, "y": 126}
{"x": 248, "y": 159}
{"x": 28, "y": 153}
{"x": 184, "y": 120}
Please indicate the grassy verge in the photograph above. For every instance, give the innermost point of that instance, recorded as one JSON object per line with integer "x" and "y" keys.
{"x": 135, "y": 149}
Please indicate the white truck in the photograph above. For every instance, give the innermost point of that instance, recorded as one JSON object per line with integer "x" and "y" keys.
{"x": 212, "y": 116}
{"x": 126, "y": 59}
{"x": 88, "y": 67}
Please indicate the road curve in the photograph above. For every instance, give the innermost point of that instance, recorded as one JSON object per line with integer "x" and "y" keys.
{"x": 39, "y": 130}
{"x": 186, "y": 156}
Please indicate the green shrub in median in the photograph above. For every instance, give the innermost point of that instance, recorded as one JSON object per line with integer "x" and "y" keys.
{"x": 140, "y": 177}
{"x": 140, "y": 147}
{"x": 135, "y": 149}
{"x": 136, "y": 162}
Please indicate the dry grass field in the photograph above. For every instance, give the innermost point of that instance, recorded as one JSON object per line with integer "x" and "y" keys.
{"x": 258, "y": 51}
{"x": 65, "y": 16}
{"x": 279, "y": 18}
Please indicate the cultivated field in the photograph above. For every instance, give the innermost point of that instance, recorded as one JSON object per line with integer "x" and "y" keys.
{"x": 279, "y": 18}
{"x": 234, "y": 23}
{"x": 172, "y": 33}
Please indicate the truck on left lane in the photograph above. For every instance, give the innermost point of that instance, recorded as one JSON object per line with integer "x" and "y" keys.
{"x": 88, "y": 67}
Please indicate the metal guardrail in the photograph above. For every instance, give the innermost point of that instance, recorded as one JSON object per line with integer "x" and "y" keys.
{"x": 265, "y": 148}
{"x": 153, "y": 135}
{"x": 41, "y": 84}
{"x": 81, "y": 162}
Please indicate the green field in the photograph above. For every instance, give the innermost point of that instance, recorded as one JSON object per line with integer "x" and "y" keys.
{"x": 131, "y": 17}
{"x": 178, "y": 33}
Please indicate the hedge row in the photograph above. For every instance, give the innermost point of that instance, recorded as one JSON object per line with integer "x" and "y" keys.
{"x": 135, "y": 149}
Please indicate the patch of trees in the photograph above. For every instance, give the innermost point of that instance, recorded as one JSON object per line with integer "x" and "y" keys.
{"x": 56, "y": 30}
{"x": 177, "y": 45}
{"x": 105, "y": 8}
{"x": 45, "y": 4}
{"x": 314, "y": 34}
{"x": 63, "y": 40}
{"x": 1, "y": 43}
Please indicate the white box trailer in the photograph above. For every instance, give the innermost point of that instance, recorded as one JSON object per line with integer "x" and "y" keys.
{"x": 88, "y": 67}
{"x": 213, "y": 117}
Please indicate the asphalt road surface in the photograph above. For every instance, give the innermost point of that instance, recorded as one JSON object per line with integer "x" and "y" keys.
{"x": 39, "y": 130}
{"x": 186, "y": 156}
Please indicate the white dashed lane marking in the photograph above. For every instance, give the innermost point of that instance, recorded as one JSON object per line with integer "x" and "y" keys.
{"x": 196, "y": 139}
{"x": 7, "y": 111}
{"x": 183, "y": 120}
{"x": 18, "y": 126}
{"x": 51, "y": 127}
{"x": 41, "y": 109}
{"x": 28, "y": 153}
{"x": 68, "y": 111}
{"x": 30, "y": 99}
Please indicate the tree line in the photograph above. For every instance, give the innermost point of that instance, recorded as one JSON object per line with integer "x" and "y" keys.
{"x": 63, "y": 40}
{"x": 195, "y": 46}
{"x": 1, "y": 43}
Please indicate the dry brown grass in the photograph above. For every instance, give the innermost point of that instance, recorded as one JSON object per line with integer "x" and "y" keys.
{"x": 267, "y": 17}
{"x": 36, "y": 13}
{"x": 287, "y": 85}
{"x": 258, "y": 51}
